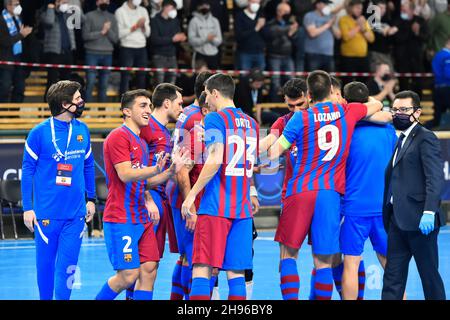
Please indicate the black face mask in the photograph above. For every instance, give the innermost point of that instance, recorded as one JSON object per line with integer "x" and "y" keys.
{"x": 286, "y": 17}
{"x": 78, "y": 112}
{"x": 402, "y": 121}
{"x": 386, "y": 77}
{"x": 103, "y": 6}
{"x": 204, "y": 11}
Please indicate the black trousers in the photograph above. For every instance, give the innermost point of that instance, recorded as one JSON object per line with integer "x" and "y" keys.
{"x": 441, "y": 99}
{"x": 402, "y": 246}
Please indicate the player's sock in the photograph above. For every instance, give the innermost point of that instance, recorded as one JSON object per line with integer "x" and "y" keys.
{"x": 106, "y": 293}
{"x": 361, "y": 280}
{"x": 249, "y": 290}
{"x": 312, "y": 295}
{"x": 337, "y": 277}
{"x": 237, "y": 289}
{"x": 129, "y": 293}
{"x": 290, "y": 281}
{"x": 186, "y": 278}
{"x": 177, "y": 288}
{"x": 323, "y": 286}
{"x": 200, "y": 289}
{"x": 212, "y": 283}
{"x": 143, "y": 295}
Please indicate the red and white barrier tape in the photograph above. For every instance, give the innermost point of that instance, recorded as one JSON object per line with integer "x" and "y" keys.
{"x": 176, "y": 70}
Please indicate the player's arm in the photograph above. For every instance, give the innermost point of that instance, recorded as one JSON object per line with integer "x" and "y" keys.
{"x": 127, "y": 174}
{"x": 30, "y": 159}
{"x": 373, "y": 106}
{"x": 266, "y": 143}
{"x": 210, "y": 168}
{"x": 89, "y": 180}
{"x": 184, "y": 183}
{"x": 160, "y": 178}
{"x": 380, "y": 117}
{"x": 278, "y": 148}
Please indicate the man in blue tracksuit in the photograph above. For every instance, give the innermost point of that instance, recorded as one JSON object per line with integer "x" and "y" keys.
{"x": 58, "y": 189}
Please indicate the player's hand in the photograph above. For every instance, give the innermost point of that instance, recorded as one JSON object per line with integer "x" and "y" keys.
{"x": 191, "y": 220}
{"x": 29, "y": 218}
{"x": 255, "y": 204}
{"x": 180, "y": 158}
{"x": 161, "y": 161}
{"x": 153, "y": 210}
{"x": 426, "y": 225}
{"x": 90, "y": 209}
{"x": 187, "y": 205}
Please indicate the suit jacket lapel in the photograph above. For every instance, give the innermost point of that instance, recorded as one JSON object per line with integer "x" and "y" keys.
{"x": 407, "y": 144}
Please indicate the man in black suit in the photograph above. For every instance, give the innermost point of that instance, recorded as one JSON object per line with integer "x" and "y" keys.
{"x": 413, "y": 184}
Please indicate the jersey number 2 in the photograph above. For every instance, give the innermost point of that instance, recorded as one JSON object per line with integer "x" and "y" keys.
{"x": 331, "y": 145}
{"x": 231, "y": 169}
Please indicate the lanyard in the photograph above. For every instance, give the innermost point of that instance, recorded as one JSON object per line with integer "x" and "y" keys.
{"x": 52, "y": 126}
{"x": 255, "y": 96}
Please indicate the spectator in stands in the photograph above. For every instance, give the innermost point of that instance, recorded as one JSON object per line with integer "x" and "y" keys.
{"x": 300, "y": 8}
{"x": 100, "y": 33}
{"x": 59, "y": 40}
{"x": 380, "y": 48}
{"x": 219, "y": 10}
{"x": 439, "y": 30}
{"x": 409, "y": 46}
{"x": 166, "y": 33}
{"x": 153, "y": 7}
{"x": 248, "y": 24}
{"x": 280, "y": 34}
{"x": 356, "y": 34}
{"x": 382, "y": 85}
{"x": 187, "y": 82}
{"x": 249, "y": 92}
{"x": 422, "y": 9}
{"x": 205, "y": 35}
{"x": 319, "y": 43}
{"x": 12, "y": 32}
{"x": 441, "y": 93}
{"x": 134, "y": 29}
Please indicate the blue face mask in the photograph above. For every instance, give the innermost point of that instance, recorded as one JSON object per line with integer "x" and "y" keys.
{"x": 404, "y": 16}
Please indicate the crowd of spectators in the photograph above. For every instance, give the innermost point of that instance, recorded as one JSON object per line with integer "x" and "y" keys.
{"x": 381, "y": 36}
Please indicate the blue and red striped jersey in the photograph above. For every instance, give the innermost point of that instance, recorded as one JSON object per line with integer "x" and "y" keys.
{"x": 125, "y": 202}
{"x": 158, "y": 139}
{"x": 227, "y": 194}
{"x": 322, "y": 134}
{"x": 290, "y": 155}
{"x": 191, "y": 116}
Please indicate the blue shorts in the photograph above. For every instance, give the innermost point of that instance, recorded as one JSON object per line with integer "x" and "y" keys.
{"x": 326, "y": 223}
{"x": 223, "y": 243}
{"x": 185, "y": 238}
{"x": 129, "y": 244}
{"x": 355, "y": 230}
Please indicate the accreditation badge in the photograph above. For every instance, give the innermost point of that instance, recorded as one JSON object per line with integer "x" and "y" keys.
{"x": 64, "y": 175}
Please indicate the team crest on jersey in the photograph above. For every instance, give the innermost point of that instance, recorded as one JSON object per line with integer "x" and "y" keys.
{"x": 45, "y": 222}
{"x": 294, "y": 151}
{"x": 127, "y": 257}
{"x": 80, "y": 138}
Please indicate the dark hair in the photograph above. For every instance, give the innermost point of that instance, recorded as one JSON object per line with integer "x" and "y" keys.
{"x": 355, "y": 2}
{"x": 202, "y": 100}
{"x": 377, "y": 2}
{"x": 295, "y": 88}
{"x": 356, "y": 92}
{"x": 409, "y": 94}
{"x": 168, "y": 3}
{"x": 164, "y": 91}
{"x": 319, "y": 85}
{"x": 256, "y": 75}
{"x": 128, "y": 98}
{"x": 60, "y": 93}
{"x": 199, "y": 85}
{"x": 202, "y": 2}
{"x": 222, "y": 83}
{"x": 200, "y": 63}
{"x": 336, "y": 82}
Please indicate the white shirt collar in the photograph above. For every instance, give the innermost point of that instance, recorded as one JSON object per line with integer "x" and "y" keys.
{"x": 249, "y": 14}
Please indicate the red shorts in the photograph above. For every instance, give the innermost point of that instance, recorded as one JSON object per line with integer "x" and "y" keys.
{"x": 223, "y": 243}
{"x": 166, "y": 226}
{"x": 148, "y": 249}
{"x": 295, "y": 220}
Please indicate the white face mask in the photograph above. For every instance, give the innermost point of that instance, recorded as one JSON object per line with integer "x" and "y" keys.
{"x": 254, "y": 7}
{"x": 64, "y": 7}
{"x": 18, "y": 10}
{"x": 172, "y": 14}
{"x": 326, "y": 11}
{"x": 137, "y": 3}
{"x": 156, "y": 1}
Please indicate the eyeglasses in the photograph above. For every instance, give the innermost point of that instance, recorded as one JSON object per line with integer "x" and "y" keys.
{"x": 401, "y": 109}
